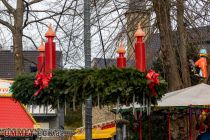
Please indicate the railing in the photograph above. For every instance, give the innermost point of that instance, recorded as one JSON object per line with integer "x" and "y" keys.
{"x": 41, "y": 110}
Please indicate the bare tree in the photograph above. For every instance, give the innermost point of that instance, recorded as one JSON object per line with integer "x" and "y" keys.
{"x": 162, "y": 10}
{"x": 16, "y": 16}
{"x": 16, "y": 29}
{"x": 185, "y": 74}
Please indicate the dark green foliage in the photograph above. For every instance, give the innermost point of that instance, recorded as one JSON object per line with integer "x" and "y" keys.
{"x": 24, "y": 84}
{"x": 105, "y": 84}
{"x": 159, "y": 67}
{"x": 193, "y": 52}
{"x": 73, "y": 119}
{"x": 153, "y": 126}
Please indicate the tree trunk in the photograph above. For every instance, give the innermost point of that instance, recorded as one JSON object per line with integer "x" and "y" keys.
{"x": 162, "y": 10}
{"x": 17, "y": 50}
{"x": 17, "y": 37}
{"x": 182, "y": 44}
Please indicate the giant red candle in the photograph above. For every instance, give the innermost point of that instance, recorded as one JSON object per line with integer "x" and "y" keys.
{"x": 140, "y": 52}
{"x": 50, "y": 51}
{"x": 121, "y": 60}
{"x": 41, "y": 59}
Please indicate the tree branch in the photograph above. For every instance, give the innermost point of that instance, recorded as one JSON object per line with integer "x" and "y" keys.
{"x": 6, "y": 24}
{"x": 38, "y": 20}
{"x": 34, "y": 1}
{"x": 27, "y": 13}
{"x": 9, "y": 7}
{"x": 31, "y": 40}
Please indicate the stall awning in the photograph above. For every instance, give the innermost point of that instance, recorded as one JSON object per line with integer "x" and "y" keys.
{"x": 198, "y": 95}
{"x": 97, "y": 133}
{"x": 14, "y": 115}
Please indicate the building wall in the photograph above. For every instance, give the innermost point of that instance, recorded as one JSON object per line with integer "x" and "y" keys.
{"x": 45, "y": 114}
{"x": 44, "y": 125}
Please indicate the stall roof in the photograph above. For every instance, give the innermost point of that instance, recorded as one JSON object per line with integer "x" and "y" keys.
{"x": 198, "y": 95}
{"x": 104, "y": 130}
{"x": 97, "y": 134}
{"x": 14, "y": 114}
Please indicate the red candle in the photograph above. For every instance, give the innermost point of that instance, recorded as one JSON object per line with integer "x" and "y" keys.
{"x": 41, "y": 59}
{"x": 140, "y": 52}
{"x": 121, "y": 60}
{"x": 50, "y": 51}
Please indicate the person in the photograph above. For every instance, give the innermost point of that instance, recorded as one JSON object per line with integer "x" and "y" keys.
{"x": 205, "y": 135}
{"x": 202, "y": 63}
{"x": 199, "y": 68}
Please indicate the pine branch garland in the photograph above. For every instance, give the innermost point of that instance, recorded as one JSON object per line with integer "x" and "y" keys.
{"x": 76, "y": 85}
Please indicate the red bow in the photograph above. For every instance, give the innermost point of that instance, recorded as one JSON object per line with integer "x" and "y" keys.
{"x": 42, "y": 81}
{"x": 153, "y": 80}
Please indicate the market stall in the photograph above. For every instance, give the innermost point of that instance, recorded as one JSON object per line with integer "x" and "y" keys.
{"x": 195, "y": 100}
{"x": 102, "y": 131}
{"x": 15, "y": 121}
{"x": 198, "y": 95}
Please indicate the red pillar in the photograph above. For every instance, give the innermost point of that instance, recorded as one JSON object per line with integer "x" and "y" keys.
{"x": 140, "y": 55}
{"x": 50, "y": 51}
{"x": 140, "y": 52}
{"x": 121, "y": 60}
{"x": 41, "y": 58}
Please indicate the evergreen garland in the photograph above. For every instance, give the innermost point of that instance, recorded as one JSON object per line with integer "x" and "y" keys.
{"x": 108, "y": 84}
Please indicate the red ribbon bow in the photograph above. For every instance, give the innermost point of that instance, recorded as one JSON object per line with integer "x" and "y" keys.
{"x": 153, "y": 80}
{"x": 42, "y": 81}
